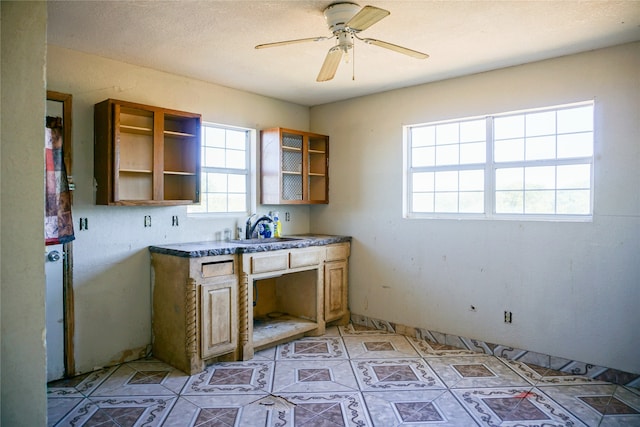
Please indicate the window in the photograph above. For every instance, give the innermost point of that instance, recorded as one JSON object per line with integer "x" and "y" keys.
{"x": 534, "y": 164}
{"x": 225, "y": 170}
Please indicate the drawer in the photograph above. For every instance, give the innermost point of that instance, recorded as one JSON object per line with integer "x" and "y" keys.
{"x": 217, "y": 268}
{"x": 336, "y": 252}
{"x": 305, "y": 257}
{"x": 272, "y": 262}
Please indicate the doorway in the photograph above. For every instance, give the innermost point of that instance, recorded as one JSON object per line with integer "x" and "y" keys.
{"x": 59, "y": 265}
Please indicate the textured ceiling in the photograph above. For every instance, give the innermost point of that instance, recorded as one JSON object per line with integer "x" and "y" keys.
{"x": 214, "y": 40}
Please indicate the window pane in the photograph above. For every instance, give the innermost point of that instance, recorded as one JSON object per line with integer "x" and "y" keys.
{"x": 446, "y": 202}
{"x": 510, "y": 179}
{"x": 236, "y": 159}
{"x": 575, "y": 119}
{"x": 541, "y": 123}
{"x": 217, "y": 202}
{"x": 473, "y": 131}
{"x": 447, "y": 134}
{"x": 446, "y": 181}
{"x": 508, "y": 127}
{"x": 422, "y": 202}
{"x": 422, "y": 136}
{"x": 542, "y": 147}
{"x": 447, "y": 155}
{"x": 574, "y": 176}
{"x": 216, "y": 183}
{"x": 213, "y": 137}
{"x": 472, "y": 180}
{"x": 237, "y": 183}
{"x": 575, "y": 202}
{"x": 575, "y": 145}
{"x": 509, "y": 202}
{"x": 237, "y": 202}
{"x": 509, "y": 150}
{"x": 422, "y": 181}
{"x": 473, "y": 153}
{"x": 213, "y": 157}
{"x": 539, "y": 202}
{"x": 538, "y": 178}
{"x": 236, "y": 140}
{"x": 423, "y": 156}
{"x": 472, "y": 202}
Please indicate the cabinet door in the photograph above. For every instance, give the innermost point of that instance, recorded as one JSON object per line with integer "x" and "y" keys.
{"x": 219, "y": 317}
{"x": 335, "y": 290}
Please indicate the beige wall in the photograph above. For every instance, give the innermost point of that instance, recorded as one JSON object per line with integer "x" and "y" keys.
{"x": 23, "y": 361}
{"x": 572, "y": 287}
{"x": 111, "y": 261}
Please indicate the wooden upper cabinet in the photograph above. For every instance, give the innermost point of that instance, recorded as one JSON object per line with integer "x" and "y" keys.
{"x": 294, "y": 167}
{"x": 146, "y": 155}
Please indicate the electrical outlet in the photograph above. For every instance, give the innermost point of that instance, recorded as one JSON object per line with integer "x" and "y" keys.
{"x": 147, "y": 220}
{"x": 508, "y": 317}
{"x": 287, "y": 216}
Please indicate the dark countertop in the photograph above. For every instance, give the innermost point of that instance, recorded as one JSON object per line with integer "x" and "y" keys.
{"x": 212, "y": 248}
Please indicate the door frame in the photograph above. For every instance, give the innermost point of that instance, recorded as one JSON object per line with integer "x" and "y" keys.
{"x": 67, "y": 248}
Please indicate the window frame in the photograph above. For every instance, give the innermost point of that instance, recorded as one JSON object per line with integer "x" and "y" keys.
{"x": 249, "y": 172}
{"x": 490, "y": 167}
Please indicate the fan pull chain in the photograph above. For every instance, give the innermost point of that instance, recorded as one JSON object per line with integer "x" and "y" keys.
{"x": 353, "y": 62}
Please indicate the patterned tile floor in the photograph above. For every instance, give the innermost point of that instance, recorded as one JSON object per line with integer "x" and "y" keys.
{"x": 350, "y": 377}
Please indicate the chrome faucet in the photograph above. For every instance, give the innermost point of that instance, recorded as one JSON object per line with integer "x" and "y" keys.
{"x": 250, "y": 229}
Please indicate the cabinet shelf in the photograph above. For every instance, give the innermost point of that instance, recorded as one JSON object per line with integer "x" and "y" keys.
{"x": 146, "y": 155}
{"x": 123, "y": 170}
{"x": 179, "y": 173}
{"x": 136, "y": 129}
{"x": 178, "y": 134}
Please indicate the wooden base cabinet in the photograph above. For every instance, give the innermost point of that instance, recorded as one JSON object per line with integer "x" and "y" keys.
{"x": 195, "y": 310}
{"x": 336, "y": 284}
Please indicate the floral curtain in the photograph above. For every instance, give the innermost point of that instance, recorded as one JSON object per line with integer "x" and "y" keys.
{"x": 58, "y": 223}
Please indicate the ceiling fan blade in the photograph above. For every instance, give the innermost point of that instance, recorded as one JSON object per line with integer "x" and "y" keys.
{"x": 330, "y": 64}
{"x": 367, "y": 16}
{"x": 285, "y": 42}
{"x": 395, "y": 47}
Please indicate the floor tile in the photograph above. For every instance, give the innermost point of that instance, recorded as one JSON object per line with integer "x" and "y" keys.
{"x": 312, "y": 348}
{"x": 310, "y": 376}
{"x": 81, "y": 385}
{"x": 514, "y": 406}
{"x": 395, "y": 374}
{"x": 253, "y": 376}
{"x": 432, "y": 349}
{"x": 120, "y": 411}
{"x": 475, "y": 371}
{"x": 379, "y": 347}
{"x": 58, "y": 408}
{"x": 143, "y": 378}
{"x": 353, "y": 376}
{"x": 213, "y": 411}
{"x": 359, "y": 330}
{"x": 546, "y": 376}
{"x": 416, "y": 408}
{"x": 598, "y": 405}
{"x": 326, "y": 410}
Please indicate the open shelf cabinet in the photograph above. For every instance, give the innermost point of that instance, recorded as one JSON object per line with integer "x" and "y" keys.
{"x": 146, "y": 155}
{"x": 294, "y": 167}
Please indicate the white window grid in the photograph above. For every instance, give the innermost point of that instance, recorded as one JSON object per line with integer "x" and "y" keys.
{"x": 225, "y": 171}
{"x": 490, "y": 167}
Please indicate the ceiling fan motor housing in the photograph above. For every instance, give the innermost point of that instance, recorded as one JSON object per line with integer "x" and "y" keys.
{"x": 338, "y": 14}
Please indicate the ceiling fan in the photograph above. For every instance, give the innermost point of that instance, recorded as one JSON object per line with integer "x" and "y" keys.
{"x": 345, "y": 21}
